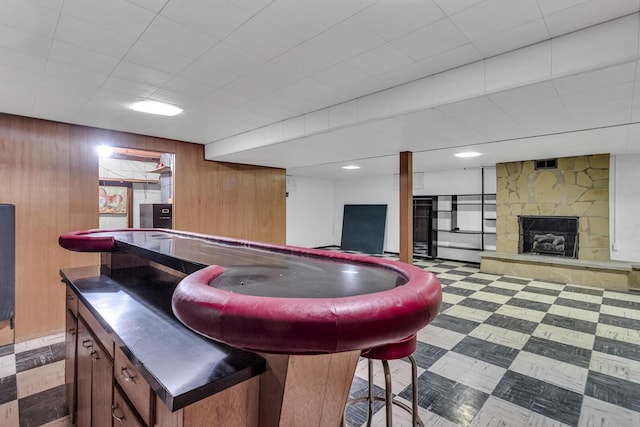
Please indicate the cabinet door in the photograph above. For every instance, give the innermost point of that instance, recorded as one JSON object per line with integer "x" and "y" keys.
{"x": 83, "y": 377}
{"x": 70, "y": 363}
{"x": 122, "y": 413}
{"x": 101, "y": 387}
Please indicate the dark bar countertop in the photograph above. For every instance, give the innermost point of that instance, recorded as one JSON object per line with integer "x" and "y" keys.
{"x": 134, "y": 307}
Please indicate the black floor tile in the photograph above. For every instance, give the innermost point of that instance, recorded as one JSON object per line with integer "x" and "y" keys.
{"x": 512, "y": 323}
{"x": 617, "y": 348}
{"x": 558, "y": 351}
{"x": 461, "y": 273}
{"x": 8, "y": 389}
{"x": 445, "y": 282}
{"x": 532, "y": 305}
{"x": 570, "y": 323}
{"x": 357, "y": 414}
{"x": 6, "y": 350}
{"x": 480, "y": 304}
{"x": 426, "y": 354}
{"x": 458, "y": 291}
{"x": 613, "y": 390}
{"x": 621, "y": 303}
{"x": 460, "y": 404}
{"x": 477, "y": 280}
{"x": 541, "y": 291}
{"x": 499, "y": 291}
{"x": 43, "y": 407}
{"x": 486, "y": 351}
{"x": 40, "y": 356}
{"x": 444, "y": 306}
{"x": 547, "y": 399}
{"x": 432, "y": 386}
{"x": 453, "y": 323}
{"x": 567, "y": 302}
{"x": 588, "y": 291}
{"x": 622, "y": 322}
{"x": 514, "y": 280}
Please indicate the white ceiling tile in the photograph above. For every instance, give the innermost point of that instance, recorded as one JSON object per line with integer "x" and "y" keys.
{"x": 423, "y": 118}
{"x": 273, "y": 112}
{"x": 179, "y": 99}
{"x": 519, "y": 67}
{"x": 304, "y": 19}
{"x": 49, "y": 4}
{"x": 87, "y": 79}
{"x": 452, "y": 6}
{"x": 588, "y": 13}
{"x": 177, "y": 38}
{"x": 217, "y": 18}
{"x": 23, "y": 61}
{"x": 523, "y": 35}
{"x": 23, "y": 41}
{"x": 233, "y": 59}
{"x": 253, "y": 6}
{"x": 157, "y": 58}
{"x": 122, "y": 86}
{"x": 431, "y": 40}
{"x": 604, "y": 78}
{"x": 208, "y": 74}
{"x": 380, "y": 60}
{"x": 312, "y": 89}
{"x": 347, "y": 39}
{"x": 249, "y": 88}
{"x": 64, "y": 88}
{"x": 340, "y": 76}
{"x": 551, "y": 6}
{"x": 290, "y": 101}
{"x": 343, "y": 114}
{"x": 74, "y": 55}
{"x": 188, "y": 87}
{"x": 76, "y": 32}
{"x": 23, "y": 80}
{"x": 228, "y": 98}
{"x": 462, "y": 82}
{"x": 29, "y": 17}
{"x": 596, "y": 46}
{"x": 119, "y": 16}
{"x": 358, "y": 89}
{"x": 262, "y": 39}
{"x": 141, "y": 74}
{"x": 152, "y": 5}
{"x": 390, "y": 21}
{"x": 515, "y": 98}
{"x": 306, "y": 59}
{"x": 494, "y": 16}
{"x": 273, "y": 75}
{"x": 453, "y": 58}
{"x": 401, "y": 75}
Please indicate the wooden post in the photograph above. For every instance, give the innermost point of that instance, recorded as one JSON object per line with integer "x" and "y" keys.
{"x": 406, "y": 207}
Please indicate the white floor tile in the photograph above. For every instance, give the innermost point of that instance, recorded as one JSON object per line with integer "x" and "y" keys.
{"x": 553, "y": 371}
{"x": 615, "y": 366}
{"x": 564, "y": 336}
{"x": 596, "y": 413}
{"x": 500, "y": 336}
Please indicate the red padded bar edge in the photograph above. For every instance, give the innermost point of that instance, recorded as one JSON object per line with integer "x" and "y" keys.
{"x": 83, "y": 241}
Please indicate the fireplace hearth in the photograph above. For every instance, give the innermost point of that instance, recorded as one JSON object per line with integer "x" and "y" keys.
{"x": 549, "y": 235}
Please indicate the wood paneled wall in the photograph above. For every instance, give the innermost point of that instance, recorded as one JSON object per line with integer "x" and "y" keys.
{"x": 49, "y": 170}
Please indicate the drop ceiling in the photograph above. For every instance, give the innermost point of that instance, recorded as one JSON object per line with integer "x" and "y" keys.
{"x": 239, "y": 65}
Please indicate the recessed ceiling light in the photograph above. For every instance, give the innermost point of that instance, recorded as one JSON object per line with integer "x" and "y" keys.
{"x": 104, "y": 151}
{"x": 351, "y": 167}
{"x": 468, "y": 154}
{"x": 154, "y": 107}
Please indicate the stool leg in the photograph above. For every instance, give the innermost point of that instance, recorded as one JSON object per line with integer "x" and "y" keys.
{"x": 414, "y": 391}
{"x": 388, "y": 398}
{"x": 370, "y": 392}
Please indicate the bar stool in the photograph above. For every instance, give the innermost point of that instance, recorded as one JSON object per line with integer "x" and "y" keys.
{"x": 393, "y": 351}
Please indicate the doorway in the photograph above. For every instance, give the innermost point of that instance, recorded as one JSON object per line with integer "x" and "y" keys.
{"x": 132, "y": 179}
{"x": 423, "y": 227}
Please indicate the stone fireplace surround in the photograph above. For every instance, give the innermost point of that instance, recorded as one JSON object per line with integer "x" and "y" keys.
{"x": 578, "y": 187}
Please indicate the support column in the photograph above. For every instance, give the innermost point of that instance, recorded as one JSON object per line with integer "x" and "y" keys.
{"x": 406, "y": 207}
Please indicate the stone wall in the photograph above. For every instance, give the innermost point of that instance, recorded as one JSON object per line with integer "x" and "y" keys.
{"x": 578, "y": 187}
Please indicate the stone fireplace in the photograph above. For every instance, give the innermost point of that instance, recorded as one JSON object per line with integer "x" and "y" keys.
{"x": 553, "y": 222}
{"x": 548, "y": 235}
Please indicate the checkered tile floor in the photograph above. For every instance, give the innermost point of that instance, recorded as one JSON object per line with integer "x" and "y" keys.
{"x": 504, "y": 351}
{"x": 509, "y": 351}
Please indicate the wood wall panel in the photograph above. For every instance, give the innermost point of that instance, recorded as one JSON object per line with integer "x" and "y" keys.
{"x": 49, "y": 170}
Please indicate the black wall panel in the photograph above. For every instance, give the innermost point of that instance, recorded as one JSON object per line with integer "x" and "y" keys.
{"x": 7, "y": 261}
{"x": 363, "y": 228}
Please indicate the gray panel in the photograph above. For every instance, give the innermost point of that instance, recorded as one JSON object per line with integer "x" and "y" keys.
{"x": 7, "y": 261}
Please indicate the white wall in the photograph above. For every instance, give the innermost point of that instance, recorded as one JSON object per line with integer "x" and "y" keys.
{"x": 310, "y": 212}
{"x": 624, "y": 207}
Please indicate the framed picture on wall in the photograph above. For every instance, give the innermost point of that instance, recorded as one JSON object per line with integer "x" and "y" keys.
{"x": 113, "y": 200}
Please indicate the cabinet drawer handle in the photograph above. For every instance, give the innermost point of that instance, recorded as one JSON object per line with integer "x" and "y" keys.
{"x": 87, "y": 343}
{"x": 70, "y": 297}
{"x": 95, "y": 355}
{"x": 116, "y": 417}
{"x": 125, "y": 375}
{"x": 72, "y": 331}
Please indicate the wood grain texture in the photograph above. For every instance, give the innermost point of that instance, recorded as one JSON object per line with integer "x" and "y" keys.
{"x": 406, "y": 207}
{"x": 49, "y": 170}
{"x": 308, "y": 391}
{"x": 6, "y": 333}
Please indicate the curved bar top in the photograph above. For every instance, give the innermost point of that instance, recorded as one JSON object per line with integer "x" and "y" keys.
{"x": 281, "y": 299}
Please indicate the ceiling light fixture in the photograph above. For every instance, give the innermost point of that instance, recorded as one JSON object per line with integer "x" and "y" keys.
{"x": 468, "y": 154}
{"x": 351, "y": 167}
{"x": 154, "y": 107}
{"x": 104, "y": 151}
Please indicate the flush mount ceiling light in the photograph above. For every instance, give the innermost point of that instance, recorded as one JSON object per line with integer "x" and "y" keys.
{"x": 154, "y": 107}
{"x": 468, "y": 154}
{"x": 104, "y": 151}
{"x": 351, "y": 167}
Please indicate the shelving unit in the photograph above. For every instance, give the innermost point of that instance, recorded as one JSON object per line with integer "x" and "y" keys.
{"x": 466, "y": 226}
